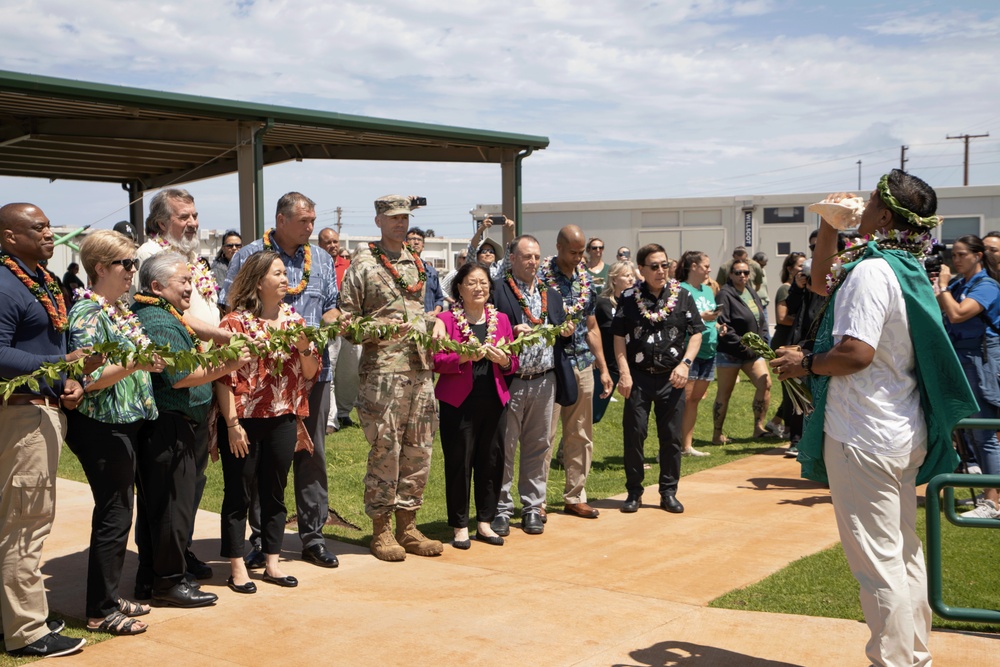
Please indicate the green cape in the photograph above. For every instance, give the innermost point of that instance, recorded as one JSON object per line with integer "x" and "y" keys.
{"x": 945, "y": 395}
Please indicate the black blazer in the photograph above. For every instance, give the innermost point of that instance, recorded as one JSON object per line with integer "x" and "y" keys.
{"x": 506, "y": 303}
{"x": 739, "y": 320}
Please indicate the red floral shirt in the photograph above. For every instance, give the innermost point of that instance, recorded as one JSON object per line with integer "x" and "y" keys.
{"x": 259, "y": 391}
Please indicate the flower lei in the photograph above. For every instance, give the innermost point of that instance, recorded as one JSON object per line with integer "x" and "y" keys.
{"x": 661, "y": 313}
{"x": 523, "y": 301}
{"x": 466, "y": 330}
{"x": 306, "y": 264}
{"x": 160, "y": 302}
{"x": 123, "y": 320}
{"x": 580, "y": 276}
{"x": 258, "y": 333}
{"x": 201, "y": 274}
{"x": 400, "y": 280}
{"x": 56, "y": 312}
{"x": 916, "y": 243}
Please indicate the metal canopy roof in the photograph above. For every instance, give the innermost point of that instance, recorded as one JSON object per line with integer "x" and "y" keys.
{"x": 63, "y": 129}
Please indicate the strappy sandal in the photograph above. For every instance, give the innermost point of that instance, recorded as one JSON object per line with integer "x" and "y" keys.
{"x": 132, "y": 609}
{"x": 117, "y": 623}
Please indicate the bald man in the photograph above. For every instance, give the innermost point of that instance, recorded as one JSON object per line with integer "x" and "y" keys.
{"x": 32, "y": 325}
{"x": 567, "y": 273}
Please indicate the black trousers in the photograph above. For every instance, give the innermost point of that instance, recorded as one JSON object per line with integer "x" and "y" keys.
{"x": 107, "y": 454}
{"x": 167, "y": 474}
{"x": 653, "y": 390}
{"x": 272, "y": 444}
{"x": 472, "y": 442}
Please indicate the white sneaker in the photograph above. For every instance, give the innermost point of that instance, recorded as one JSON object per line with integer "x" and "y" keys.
{"x": 987, "y": 509}
{"x": 694, "y": 452}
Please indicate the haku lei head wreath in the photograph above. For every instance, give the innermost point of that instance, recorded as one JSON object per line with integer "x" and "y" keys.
{"x": 929, "y": 222}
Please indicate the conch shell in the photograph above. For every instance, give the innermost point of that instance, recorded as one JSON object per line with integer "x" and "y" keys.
{"x": 844, "y": 214}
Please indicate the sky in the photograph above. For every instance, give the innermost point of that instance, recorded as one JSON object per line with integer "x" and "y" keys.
{"x": 639, "y": 99}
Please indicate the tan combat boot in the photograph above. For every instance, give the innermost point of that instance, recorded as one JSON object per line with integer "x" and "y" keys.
{"x": 412, "y": 539}
{"x": 384, "y": 545}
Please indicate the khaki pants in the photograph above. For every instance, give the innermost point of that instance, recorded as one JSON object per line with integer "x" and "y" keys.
{"x": 30, "y": 442}
{"x": 577, "y": 436}
{"x": 875, "y": 502}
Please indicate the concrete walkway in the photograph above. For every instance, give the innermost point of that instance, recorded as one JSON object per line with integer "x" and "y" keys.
{"x": 621, "y": 590}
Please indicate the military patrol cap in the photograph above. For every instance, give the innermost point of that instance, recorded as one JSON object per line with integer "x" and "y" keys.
{"x": 393, "y": 205}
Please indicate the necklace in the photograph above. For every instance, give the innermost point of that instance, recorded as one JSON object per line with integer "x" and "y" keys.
{"x": 160, "y": 302}
{"x": 659, "y": 314}
{"x": 391, "y": 268}
{"x": 57, "y": 312}
{"x": 306, "y": 264}
{"x": 580, "y": 277}
{"x": 523, "y": 301}
{"x": 918, "y": 244}
{"x": 258, "y": 334}
{"x": 201, "y": 275}
{"x": 122, "y": 319}
{"x": 466, "y": 330}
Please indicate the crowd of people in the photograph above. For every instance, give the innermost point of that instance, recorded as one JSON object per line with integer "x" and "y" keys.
{"x": 658, "y": 330}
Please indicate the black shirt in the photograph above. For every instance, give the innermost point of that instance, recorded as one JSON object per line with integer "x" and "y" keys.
{"x": 605, "y": 314}
{"x": 482, "y": 370}
{"x": 656, "y": 347}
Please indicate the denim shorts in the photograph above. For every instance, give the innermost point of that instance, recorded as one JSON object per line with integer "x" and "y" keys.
{"x": 702, "y": 369}
{"x": 724, "y": 360}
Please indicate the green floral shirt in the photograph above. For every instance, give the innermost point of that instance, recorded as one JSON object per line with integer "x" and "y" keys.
{"x": 126, "y": 401}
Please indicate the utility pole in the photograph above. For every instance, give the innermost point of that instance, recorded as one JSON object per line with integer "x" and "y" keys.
{"x": 339, "y": 223}
{"x": 902, "y": 157}
{"x": 859, "y": 175}
{"x": 966, "y": 137}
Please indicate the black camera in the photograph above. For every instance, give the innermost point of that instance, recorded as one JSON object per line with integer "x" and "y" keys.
{"x": 418, "y": 201}
{"x": 933, "y": 261}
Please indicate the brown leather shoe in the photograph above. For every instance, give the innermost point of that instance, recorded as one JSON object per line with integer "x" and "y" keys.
{"x": 582, "y": 510}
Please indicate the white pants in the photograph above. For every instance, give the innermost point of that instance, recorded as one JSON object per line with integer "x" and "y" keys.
{"x": 875, "y": 501}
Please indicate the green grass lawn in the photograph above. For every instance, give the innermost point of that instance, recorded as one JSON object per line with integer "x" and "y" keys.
{"x": 819, "y": 585}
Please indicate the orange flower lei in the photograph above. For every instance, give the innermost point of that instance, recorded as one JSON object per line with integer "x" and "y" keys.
{"x": 523, "y": 302}
{"x": 306, "y": 265}
{"x": 160, "y": 302}
{"x": 400, "y": 280}
{"x": 57, "y": 312}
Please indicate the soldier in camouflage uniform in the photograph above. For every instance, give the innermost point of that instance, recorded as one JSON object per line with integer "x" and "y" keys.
{"x": 396, "y": 399}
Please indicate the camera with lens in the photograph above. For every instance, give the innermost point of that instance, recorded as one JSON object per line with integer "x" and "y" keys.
{"x": 933, "y": 261}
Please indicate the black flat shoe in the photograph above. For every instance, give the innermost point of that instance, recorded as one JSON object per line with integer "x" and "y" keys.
{"x": 247, "y": 588}
{"x": 496, "y": 540}
{"x": 285, "y": 582}
{"x": 461, "y": 544}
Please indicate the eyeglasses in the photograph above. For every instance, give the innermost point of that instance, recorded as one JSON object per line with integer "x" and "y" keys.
{"x": 741, "y": 273}
{"x": 656, "y": 266}
{"x": 597, "y": 247}
{"x": 236, "y": 246}
{"x": 127, "y": 264}
{"x": 487, "y": 250}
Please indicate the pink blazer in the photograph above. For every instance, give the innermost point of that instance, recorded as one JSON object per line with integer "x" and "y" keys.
{"x": 455, "y": 383}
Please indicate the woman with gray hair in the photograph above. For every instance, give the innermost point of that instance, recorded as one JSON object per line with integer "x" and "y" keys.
{"x": 165, "y": 455}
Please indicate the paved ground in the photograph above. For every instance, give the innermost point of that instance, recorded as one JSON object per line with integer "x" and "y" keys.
{"x": 621, "y": 590}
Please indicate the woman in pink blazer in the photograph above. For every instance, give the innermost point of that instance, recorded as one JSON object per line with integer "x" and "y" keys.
{"x": 472, "y": 394}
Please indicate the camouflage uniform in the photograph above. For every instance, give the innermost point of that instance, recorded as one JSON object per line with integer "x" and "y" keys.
{"x": 396, "y": 403}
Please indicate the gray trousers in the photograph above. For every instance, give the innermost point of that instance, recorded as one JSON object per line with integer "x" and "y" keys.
{"x": 346, "y": 379}
{"x": 529, "y": 418}
{"x": 311, "y": 500}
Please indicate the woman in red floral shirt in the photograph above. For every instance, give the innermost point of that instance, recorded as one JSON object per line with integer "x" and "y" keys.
{"x": 261, "y": 407}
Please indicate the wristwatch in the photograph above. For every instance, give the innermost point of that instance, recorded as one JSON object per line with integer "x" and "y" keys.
{"x": 807, "y": 362}
{"x": 686, "y": 362}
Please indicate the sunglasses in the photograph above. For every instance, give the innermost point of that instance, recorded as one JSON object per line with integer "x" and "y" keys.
{"x": 741, "y": 273}
{"x": 812, "y": 247}
{"x": 237, "y": 246}
{"x": 597, "y": 247}
{"x": 656, "y": 266}
{"x": 487, "y": 250}
{"x": 127, "y": 264}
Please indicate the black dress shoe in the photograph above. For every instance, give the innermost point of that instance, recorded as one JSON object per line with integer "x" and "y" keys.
{"x": 318, "y": 554}
{"x": 196, "y": 566}
{"x": 501, "y": 525}
{"x": 461, "y": 544}
{"x": 255, "y": 560}
{"x": 671, "y": 504}
{"x": 631, "y": 504}
{"x": 248, "y": 588}
{"x": 495, "y": 540}
{"x": 184, "y": 596}
{"x": 531, "y": 523}
{"x": 285, "y": 582}
{"x": 143, "y": 592}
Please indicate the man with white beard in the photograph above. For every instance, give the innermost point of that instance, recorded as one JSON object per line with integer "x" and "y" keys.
{"x": 172, "y": 224}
